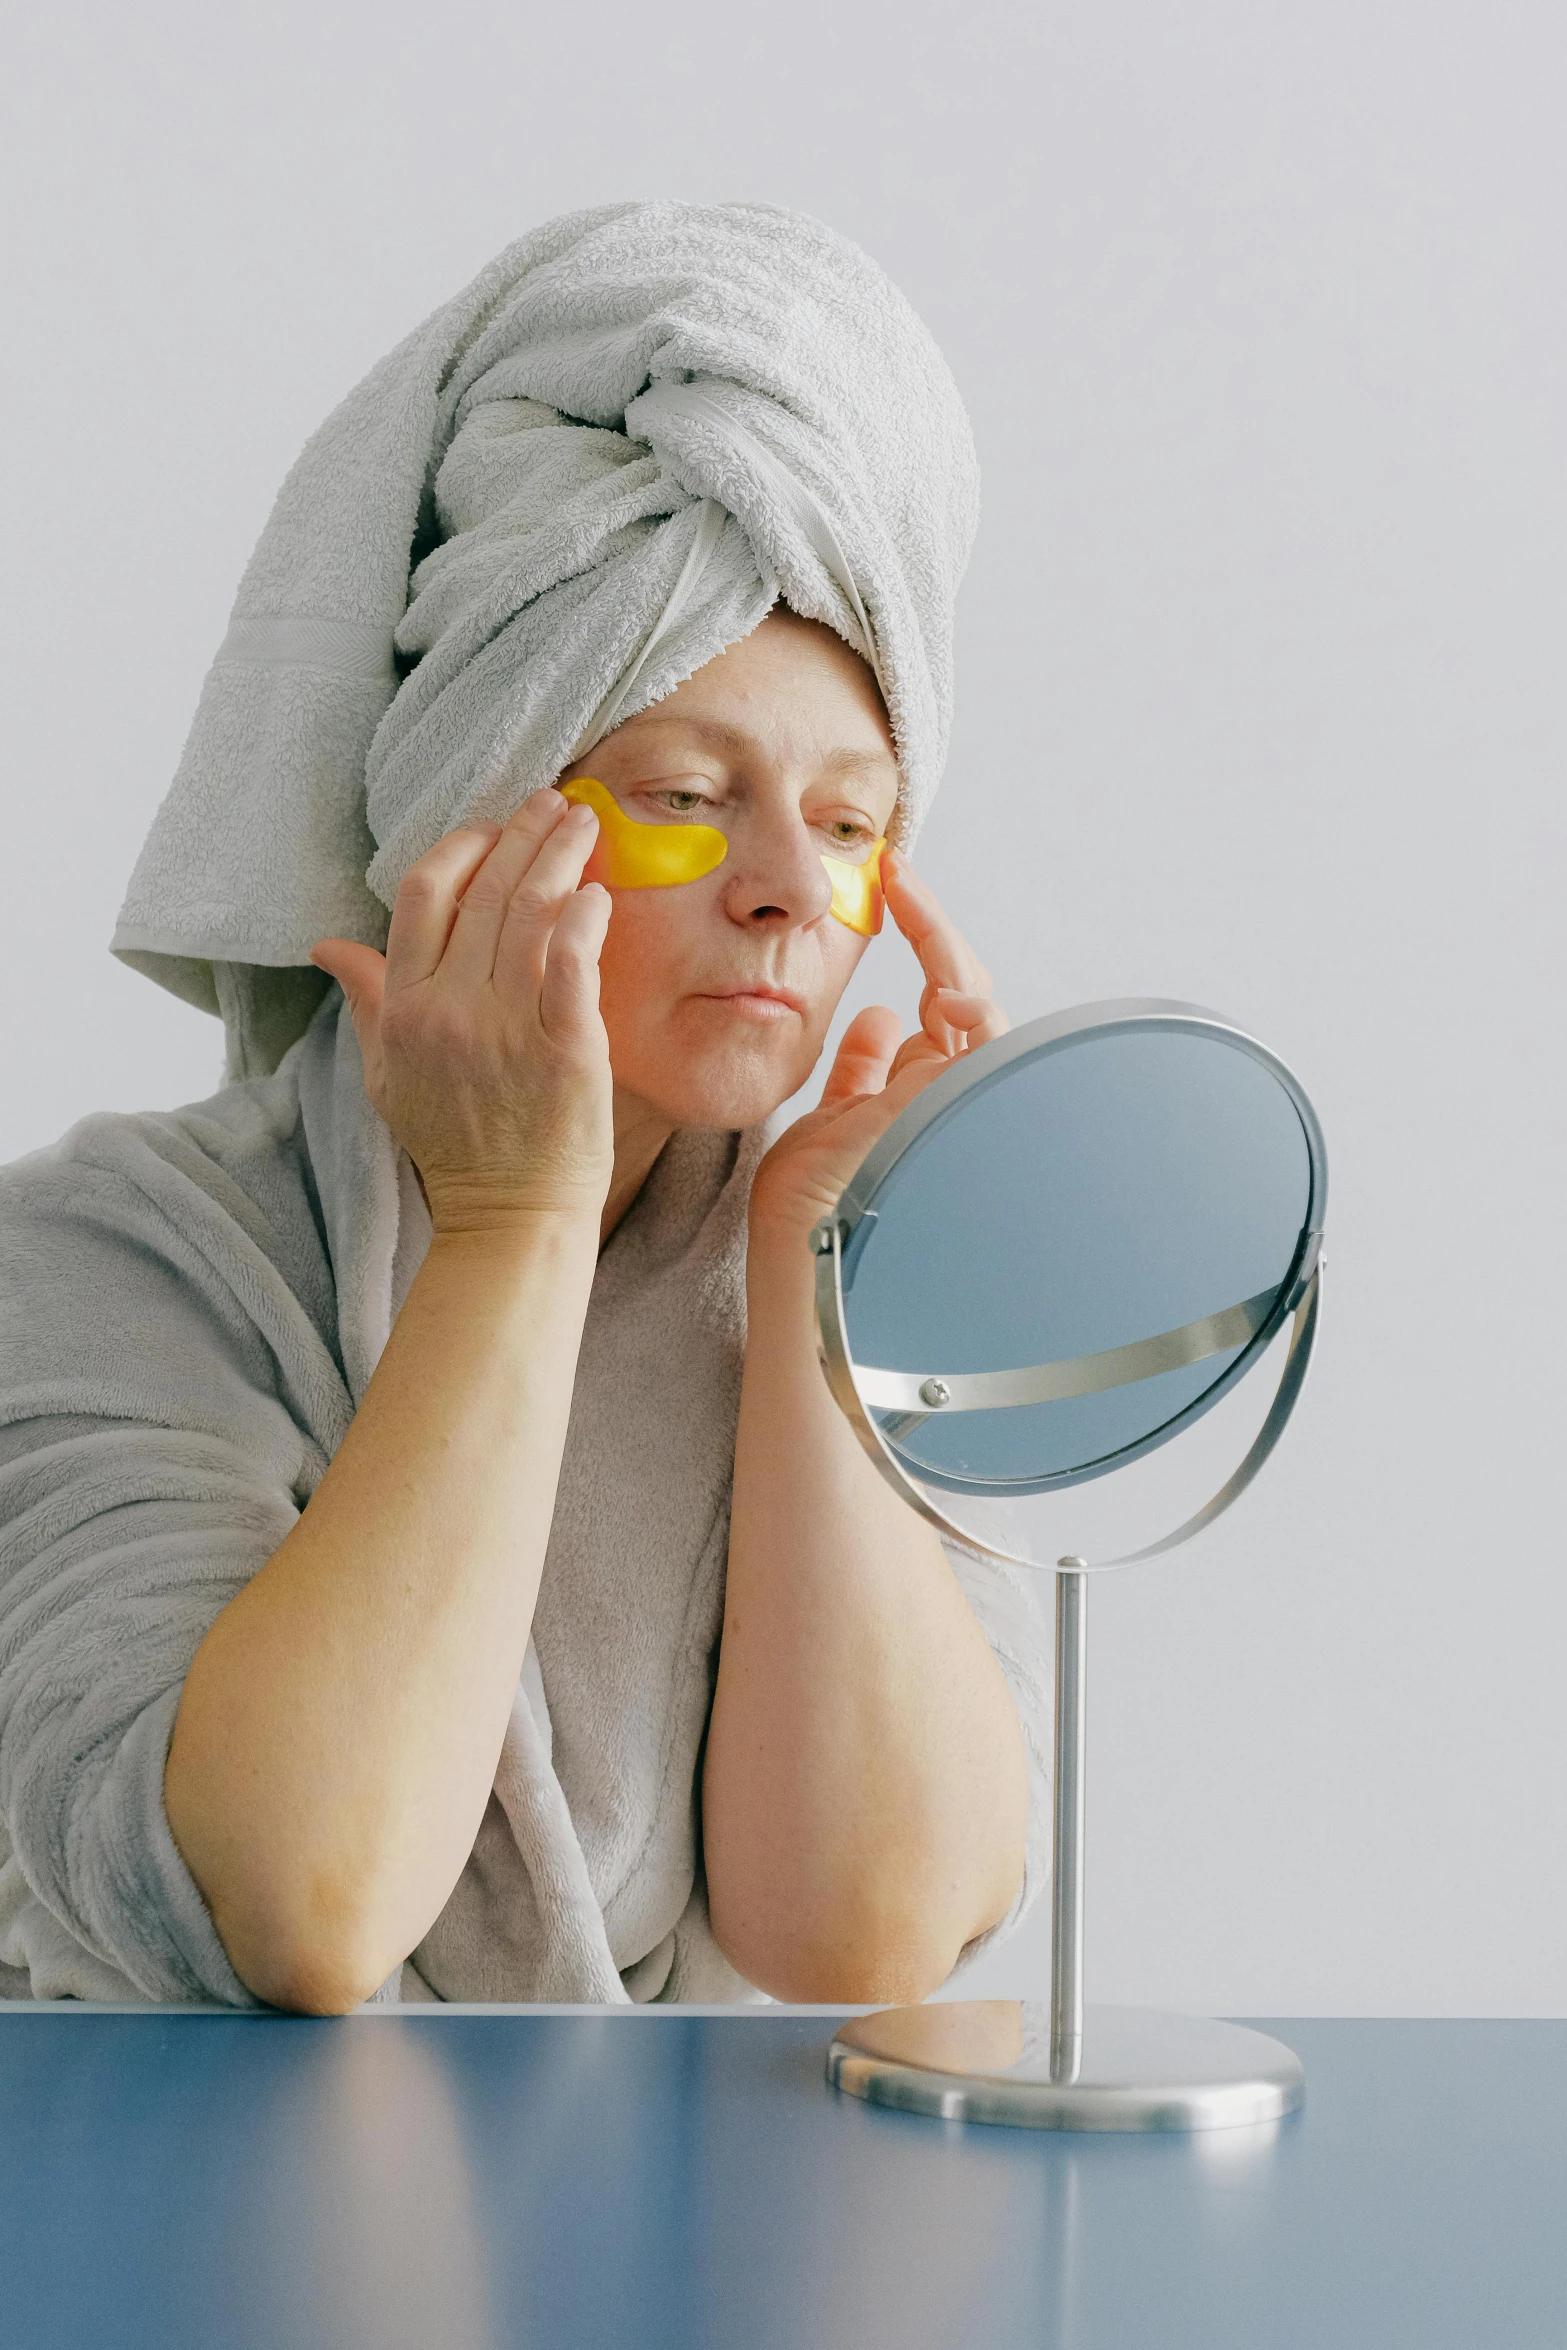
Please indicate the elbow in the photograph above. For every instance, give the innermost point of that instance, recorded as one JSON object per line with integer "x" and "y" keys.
{"x": 889, "y": 1974}
{"x": 309, "y": 1958}
{"x": 880, "y": 1941}
{"x": 307, "y": 1924}
{"x": 883, "y": 1960}
{"x": 320, "y": 1981}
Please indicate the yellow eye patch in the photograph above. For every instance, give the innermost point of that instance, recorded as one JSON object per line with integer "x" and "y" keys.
{"x": 856, "y": 891}
{"x": 643, "y": 856}
{"x": 629, "y": 855}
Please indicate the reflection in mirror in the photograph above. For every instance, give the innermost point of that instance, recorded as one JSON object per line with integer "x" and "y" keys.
{"x": 1069, "y": 1253}
{"x": 1101, "y": 1235}
{"x": 1001, "y": 2049}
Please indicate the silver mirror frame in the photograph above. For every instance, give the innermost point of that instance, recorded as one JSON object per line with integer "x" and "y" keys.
{"x": 839, "y": 1239}
{"x": 1092, "y": 2068}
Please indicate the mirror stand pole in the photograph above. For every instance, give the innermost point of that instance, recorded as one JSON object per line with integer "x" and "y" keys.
{"x": 1109, "y": 2068}
{"x": 1066, "y": 1893}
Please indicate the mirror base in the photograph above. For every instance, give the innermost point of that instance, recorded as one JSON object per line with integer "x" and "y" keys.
{"x": 988, "y": 2060}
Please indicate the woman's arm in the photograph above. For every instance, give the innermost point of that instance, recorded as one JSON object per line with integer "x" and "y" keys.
{"x": 339, "y": 1728}
{"x": 865, "y": 1796}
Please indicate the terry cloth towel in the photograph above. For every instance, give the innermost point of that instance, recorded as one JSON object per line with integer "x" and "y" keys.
{"x": 576, "y": 483}
{"x": 191, "y": 1305}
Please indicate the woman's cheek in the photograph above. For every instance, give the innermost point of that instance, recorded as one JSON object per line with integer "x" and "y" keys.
{"x": 636, "y": 939}
{"x": 645, "y": 952}
{"x": 842, "y": 950}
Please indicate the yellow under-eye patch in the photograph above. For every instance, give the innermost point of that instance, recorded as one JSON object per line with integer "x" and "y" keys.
{"x": 629, "y": 855}
{"x": 856, "y": 891}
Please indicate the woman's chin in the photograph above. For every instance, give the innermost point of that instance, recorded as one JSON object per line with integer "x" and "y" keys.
{"x": 728, "y": 1083}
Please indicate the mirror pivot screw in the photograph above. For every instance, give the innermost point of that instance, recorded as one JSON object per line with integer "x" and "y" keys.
{"x": 934, "y": 1393}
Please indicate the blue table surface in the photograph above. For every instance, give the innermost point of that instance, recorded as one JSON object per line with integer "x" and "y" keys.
{"x": 464, "y": 2181}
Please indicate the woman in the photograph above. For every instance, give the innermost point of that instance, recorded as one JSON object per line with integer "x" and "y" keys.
{"x": 601, "y": 1664}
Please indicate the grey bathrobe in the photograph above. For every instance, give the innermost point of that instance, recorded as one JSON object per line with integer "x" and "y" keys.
{"x": 191, "y": 1306}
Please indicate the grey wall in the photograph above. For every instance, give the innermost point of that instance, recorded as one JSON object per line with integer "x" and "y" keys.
{"x": 1258, "y": 311}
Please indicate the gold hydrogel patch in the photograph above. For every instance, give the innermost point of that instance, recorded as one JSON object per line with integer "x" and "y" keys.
{"x": 629, "y": 855}
{"x": 856, "y": 891}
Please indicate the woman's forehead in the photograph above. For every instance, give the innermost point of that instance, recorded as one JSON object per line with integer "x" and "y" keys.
{"x": 845, "y": 749}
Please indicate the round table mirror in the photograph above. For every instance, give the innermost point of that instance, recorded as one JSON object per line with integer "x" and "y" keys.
{"x": 1068, "y": 1249}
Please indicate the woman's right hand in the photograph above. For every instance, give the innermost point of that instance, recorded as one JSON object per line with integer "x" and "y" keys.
{"x": 483, "y": 1046}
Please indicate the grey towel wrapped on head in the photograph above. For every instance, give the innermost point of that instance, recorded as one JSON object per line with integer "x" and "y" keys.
{"x": 604, "y": 460}
{"x": 580, "y": 480}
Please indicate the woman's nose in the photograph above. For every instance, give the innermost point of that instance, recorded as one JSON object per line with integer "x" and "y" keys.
{"x": 778, "y": 880}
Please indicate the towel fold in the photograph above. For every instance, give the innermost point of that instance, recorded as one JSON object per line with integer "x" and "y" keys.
{"x": 584, "y": 477}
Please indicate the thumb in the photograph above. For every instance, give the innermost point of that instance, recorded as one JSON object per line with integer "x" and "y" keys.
{"x": 863, "y": 1058}
{"x": 361, "y": 974}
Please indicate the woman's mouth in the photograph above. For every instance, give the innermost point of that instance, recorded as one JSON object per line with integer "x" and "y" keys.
{"x": 758, "y": 1003}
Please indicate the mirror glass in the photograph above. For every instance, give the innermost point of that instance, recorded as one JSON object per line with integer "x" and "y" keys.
{"x": 1077, "y": 1257}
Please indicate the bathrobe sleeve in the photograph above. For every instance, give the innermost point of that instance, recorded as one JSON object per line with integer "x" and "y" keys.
{"x": 165, "y": 1411}
{"x": 1014, "y": 1607}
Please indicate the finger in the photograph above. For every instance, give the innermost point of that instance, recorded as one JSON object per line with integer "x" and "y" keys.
{"x": 361, "y": 974}
{"x": 957, "y": 1022}
{"x": 953, "y": 1024}
{"x": 861, "y": 1122}
{"x": 469, "y": 959}
{"x": 976, "y": 1019}
{"x": 917, "y": 1050}
{"x": 539, "y": 857}
{"x": 864, "y": 1056}
{"x": 428, "y": 900}
{"x": 569, "y": 996}
{"x": 946, "y": 958}
{"x": 540, "y": 899}
{"x": 359, "y": 971}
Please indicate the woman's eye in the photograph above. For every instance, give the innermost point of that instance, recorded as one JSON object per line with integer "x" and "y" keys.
{"x": 680, "y": 803}
{"x": 847, "y": 832}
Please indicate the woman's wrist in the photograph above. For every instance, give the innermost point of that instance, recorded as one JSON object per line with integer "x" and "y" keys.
{"x": 475, "y": 1228}
{"x": 507, "y": 1258}
{"x": 465, "y": 1206}
{"x": 784, "y": 1212}
{"x": 780, "y": 1275}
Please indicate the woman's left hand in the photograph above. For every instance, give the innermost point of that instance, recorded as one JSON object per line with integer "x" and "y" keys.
{"x": 865, "y": 1790}
{"x": 875, "y": 1075}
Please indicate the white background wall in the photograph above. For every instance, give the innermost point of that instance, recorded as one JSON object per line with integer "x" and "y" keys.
{"x": 1258, "y": 311}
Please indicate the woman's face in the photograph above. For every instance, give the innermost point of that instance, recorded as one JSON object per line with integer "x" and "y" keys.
{"x": 717, "y": 993}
